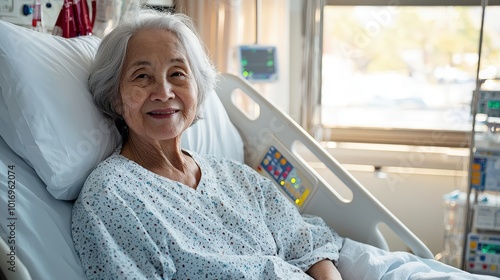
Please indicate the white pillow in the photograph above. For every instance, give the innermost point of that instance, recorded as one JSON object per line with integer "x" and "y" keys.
{"x": 48, "y": 117}
{"x": 214, "y": 134}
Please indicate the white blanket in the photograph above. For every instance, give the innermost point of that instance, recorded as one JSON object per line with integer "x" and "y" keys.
{"x": 360, "y": 261}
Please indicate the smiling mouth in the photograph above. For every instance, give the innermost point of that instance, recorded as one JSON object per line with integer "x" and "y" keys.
{"x": 154, "y": 113}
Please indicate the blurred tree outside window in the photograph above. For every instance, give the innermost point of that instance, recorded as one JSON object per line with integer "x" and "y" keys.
{"x": 405, "y": 67}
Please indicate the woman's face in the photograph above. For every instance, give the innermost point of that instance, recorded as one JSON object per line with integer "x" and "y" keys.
{"x": 157, "y": 89}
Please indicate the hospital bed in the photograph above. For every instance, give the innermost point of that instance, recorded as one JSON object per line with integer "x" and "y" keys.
{"x": 52, "y": 136}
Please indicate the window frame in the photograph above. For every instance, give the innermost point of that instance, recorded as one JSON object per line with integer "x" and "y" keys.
{"x": 401, "y": 136}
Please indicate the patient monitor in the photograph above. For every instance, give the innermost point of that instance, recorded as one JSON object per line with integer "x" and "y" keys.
{"x": 258, "y": 64}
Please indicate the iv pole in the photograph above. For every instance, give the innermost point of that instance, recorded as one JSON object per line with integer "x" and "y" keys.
{"x": 469, "y": 212}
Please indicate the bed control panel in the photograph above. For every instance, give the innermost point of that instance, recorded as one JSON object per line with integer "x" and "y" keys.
{"x": 483, "y": 254}
{"x": 278, "y": 167}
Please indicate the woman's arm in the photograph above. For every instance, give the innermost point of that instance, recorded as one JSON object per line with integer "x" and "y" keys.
{"x": 324, "y": 270}
{"x": 301, "y": 240}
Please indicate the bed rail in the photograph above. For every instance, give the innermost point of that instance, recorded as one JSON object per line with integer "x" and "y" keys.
{"x": 358, "y": 218}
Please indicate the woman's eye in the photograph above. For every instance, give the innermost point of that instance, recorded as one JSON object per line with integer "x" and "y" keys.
{"x": 178, "y": 74}
{"x": 141, "y": 76}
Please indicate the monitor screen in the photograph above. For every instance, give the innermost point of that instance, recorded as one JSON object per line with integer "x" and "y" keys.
{"x": 258, "y": 63}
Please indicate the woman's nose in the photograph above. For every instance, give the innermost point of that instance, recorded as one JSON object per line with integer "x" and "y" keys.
{"x": 162, "y": 92}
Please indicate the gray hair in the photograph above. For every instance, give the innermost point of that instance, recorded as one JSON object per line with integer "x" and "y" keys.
{"x": 104, "y": 79}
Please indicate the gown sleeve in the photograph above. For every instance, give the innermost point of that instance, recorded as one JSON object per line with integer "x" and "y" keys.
{"x": 111, "y": 240}
{"x": 302, "y": 240}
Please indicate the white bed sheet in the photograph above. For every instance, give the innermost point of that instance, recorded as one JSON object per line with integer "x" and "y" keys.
{"x": 359, "y": 261}
{"x": 43, "y": 223}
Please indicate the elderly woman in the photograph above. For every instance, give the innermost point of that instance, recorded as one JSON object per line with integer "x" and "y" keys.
{"x": 155, "y": 211}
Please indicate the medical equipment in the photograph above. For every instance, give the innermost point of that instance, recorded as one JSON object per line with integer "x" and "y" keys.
{"x": 109, "y": 12}
{"x": 489, "y": 103}
{"x": 21, "y": 12}
{"x": 454, "y": 211}
{"x": 486, "y": 217}
{"x": 42, "y": 234}
{"x": 483, "y": 254}
{"x": 258, "y": 64}
{"x": 486, "y": 154}
{"x": 36, "y": 22}
{"x": 278, "y": 167}
{"x": 486, "y": 170}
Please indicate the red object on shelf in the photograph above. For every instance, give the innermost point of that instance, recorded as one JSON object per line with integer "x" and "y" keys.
{"x": 74, "y": 19}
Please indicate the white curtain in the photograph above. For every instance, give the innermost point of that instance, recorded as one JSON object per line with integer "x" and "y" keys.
{"x": 217, "y": 24}
{"x": 312, "y": 57}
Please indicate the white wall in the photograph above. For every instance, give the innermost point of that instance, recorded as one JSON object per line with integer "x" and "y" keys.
{"x": 275, "y": 31}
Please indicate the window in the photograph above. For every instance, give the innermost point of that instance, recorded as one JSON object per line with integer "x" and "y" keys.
{"x": 404, "y": 74}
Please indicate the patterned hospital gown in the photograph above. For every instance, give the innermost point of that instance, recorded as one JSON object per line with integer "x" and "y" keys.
{"x": 129, "y": 223}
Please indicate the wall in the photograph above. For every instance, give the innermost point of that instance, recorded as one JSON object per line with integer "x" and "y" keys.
{"x": 275, "y": 31}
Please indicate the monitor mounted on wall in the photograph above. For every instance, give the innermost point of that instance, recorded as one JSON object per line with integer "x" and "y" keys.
{"x": 258, "y": 64}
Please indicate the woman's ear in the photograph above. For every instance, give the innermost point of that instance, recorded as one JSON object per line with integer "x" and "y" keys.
{"x": 118, "y": 110}
{"x": 119, "y": 106}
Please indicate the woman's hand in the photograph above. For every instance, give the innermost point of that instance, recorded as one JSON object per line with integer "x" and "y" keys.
{"x": 324, "y": 270}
